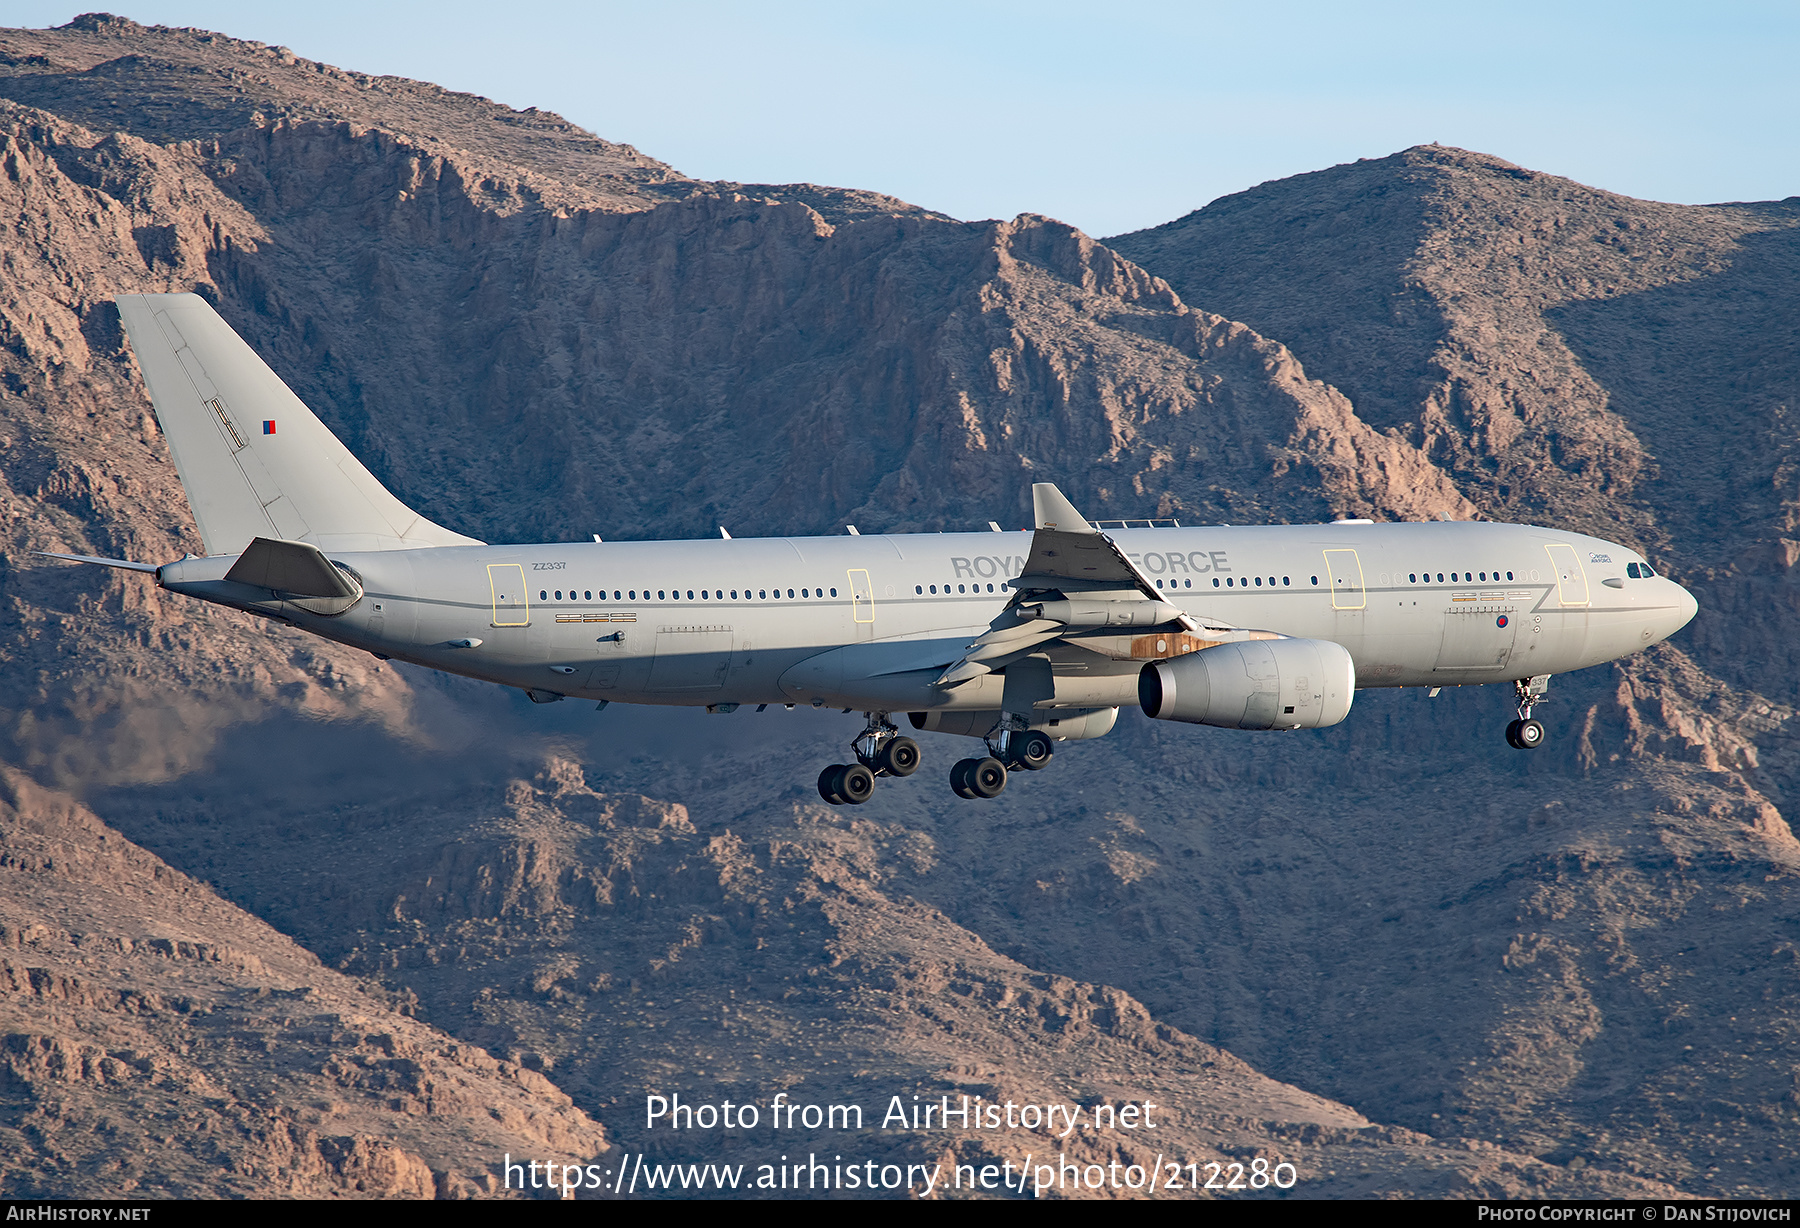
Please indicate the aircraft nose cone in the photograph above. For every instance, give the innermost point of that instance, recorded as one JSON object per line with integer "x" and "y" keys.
{"x": 1676, "y": 609}
{"x": 1685, "y": 611}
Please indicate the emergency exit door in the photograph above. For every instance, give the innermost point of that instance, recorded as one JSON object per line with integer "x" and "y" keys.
{"x": 512, "y": 604}
{"x": 862, "y": 603}
{"x": 1344, "y": 574}
{"x": 1571, "y": 580}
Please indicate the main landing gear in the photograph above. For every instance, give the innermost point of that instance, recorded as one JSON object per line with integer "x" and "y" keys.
{"x": 1525, "y": 733}
{"x": 881, "y": 750}
{"x": 1018, "y": 749}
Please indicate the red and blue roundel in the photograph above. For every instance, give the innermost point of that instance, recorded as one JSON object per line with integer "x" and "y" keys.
{"x": 1501, "y": 621}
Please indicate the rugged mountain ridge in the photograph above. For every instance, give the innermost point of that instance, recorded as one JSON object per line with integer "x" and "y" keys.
{"x": 159, "y": 1042}
{"x": 1490, "y": 952}
{"x": 1622, "y": 365}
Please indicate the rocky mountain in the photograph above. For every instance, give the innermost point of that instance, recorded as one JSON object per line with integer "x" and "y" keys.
{"x": 1393, "y": 953}
{"x": 159, "y": 1042}
{"x": 1558, "y": 350}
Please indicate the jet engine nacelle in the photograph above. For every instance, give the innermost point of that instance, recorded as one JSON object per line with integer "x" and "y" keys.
{"x": 1257, "y": 684}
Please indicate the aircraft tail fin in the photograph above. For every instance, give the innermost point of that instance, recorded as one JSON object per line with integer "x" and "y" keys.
{"x": 254, "y": 460}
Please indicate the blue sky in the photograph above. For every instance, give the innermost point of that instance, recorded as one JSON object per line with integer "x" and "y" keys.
{"x": 1110, "y": 116}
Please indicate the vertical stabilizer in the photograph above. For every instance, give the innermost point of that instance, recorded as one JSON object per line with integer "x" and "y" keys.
{"x": 254, "y": 460}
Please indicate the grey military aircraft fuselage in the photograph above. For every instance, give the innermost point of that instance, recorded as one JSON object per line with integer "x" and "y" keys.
{"x": 1022, "y": 639}
{"x": 747, "y": 621}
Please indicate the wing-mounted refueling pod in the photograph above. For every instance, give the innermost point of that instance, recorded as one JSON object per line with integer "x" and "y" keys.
{"x": 1252, "y": 684}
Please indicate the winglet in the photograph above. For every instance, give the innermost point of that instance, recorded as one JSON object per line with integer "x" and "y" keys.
{"x": 1051, "y": 510}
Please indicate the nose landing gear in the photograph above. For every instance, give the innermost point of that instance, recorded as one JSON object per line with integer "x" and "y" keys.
{"x": 1525, "y": 733}
{"x": 881, "y": 750}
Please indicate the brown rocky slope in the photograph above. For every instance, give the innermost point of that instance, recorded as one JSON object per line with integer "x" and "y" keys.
{"x": 1622, "y": 365}
{"x": 156, "y": 1041}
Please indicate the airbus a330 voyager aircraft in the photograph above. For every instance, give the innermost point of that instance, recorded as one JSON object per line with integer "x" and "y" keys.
{"x": 1017, "y": 639}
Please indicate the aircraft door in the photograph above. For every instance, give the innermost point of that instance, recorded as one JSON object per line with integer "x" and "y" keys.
{"x": 1571, "y": 580}
{"x": 1344, "y": 573}
{"x": 862, "y": 603}
{"x": 512, "y": 604}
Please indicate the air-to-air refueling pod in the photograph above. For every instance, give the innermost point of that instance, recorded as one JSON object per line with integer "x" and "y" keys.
{"x": 1256, "y": 684}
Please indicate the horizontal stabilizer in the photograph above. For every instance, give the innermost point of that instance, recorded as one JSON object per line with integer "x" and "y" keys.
{"x": 89, "y": 558}
{"x": 291, "y": 567}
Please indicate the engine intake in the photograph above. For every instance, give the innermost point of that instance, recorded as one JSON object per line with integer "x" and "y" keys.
{"x": 1256, "y": 684}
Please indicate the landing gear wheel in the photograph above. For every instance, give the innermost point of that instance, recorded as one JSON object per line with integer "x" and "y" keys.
{"x": 828, "y": 784}
{"x": 959, "y": 777}
{"x": 987, "y": 777}
{"x": 1032, "y": 751}
{"x": 900, "y": 757}
{"x": 1525, "y": 735}
{"x": 1529, "y": 735}
{"x": 856, "y": 784}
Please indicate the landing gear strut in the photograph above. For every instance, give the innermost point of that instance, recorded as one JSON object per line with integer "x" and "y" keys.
{"x": 1525, "y": 733}
{"x": 881, "y": 750}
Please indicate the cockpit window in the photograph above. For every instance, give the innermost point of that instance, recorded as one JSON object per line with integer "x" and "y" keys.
{"x": 1631, "y": 569}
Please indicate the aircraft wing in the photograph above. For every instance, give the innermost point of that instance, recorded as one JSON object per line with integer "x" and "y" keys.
{"x": 1072, "y": 557}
